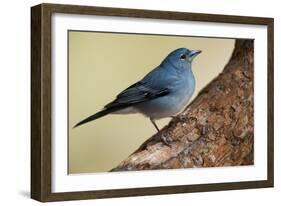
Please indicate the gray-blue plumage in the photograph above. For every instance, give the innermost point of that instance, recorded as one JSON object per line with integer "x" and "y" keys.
{"x": 163, "y": 92}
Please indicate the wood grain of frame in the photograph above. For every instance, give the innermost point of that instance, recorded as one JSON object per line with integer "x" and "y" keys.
{"x": 41, "y": 101}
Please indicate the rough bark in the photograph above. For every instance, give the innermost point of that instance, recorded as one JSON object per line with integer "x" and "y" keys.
{"x": 216, "y": 129}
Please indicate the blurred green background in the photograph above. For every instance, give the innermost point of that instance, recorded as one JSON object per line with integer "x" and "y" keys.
{"x": 103, "y": 64}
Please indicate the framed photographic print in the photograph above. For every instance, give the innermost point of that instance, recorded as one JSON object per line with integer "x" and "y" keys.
{"x": 130, "y": 102}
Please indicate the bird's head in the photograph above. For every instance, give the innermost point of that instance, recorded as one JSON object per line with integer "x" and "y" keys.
{"x": 181, "y": 58}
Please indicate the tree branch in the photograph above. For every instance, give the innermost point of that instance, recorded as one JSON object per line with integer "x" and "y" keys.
{"x": 216, "y": 129}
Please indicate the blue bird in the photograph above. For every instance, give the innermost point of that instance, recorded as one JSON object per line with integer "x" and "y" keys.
{"x": 163, "y": 92}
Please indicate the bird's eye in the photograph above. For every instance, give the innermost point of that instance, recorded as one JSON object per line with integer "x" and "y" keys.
{"x": 182, "y": 57}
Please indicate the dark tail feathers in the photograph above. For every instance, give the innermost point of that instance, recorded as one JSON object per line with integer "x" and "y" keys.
{"x": 97, "y": 115}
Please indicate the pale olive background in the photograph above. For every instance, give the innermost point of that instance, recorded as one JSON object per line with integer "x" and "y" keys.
{"x": 103, "y": 64}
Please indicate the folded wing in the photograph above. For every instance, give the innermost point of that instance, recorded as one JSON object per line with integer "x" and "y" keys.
{"x": 137, "y": 93}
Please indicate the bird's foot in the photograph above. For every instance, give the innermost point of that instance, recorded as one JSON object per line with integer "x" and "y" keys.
{"x": 166, "y": 140}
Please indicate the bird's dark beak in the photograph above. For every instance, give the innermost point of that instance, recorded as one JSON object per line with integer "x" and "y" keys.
{"x": 194, "y": 53}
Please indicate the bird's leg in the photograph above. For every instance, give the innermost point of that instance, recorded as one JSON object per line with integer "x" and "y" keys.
{"x": 154, "y": 124}
{"x": 163, "y": 137}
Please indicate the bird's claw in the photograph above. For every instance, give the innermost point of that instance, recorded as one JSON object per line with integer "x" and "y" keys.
{"x": 166, "y": 140}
